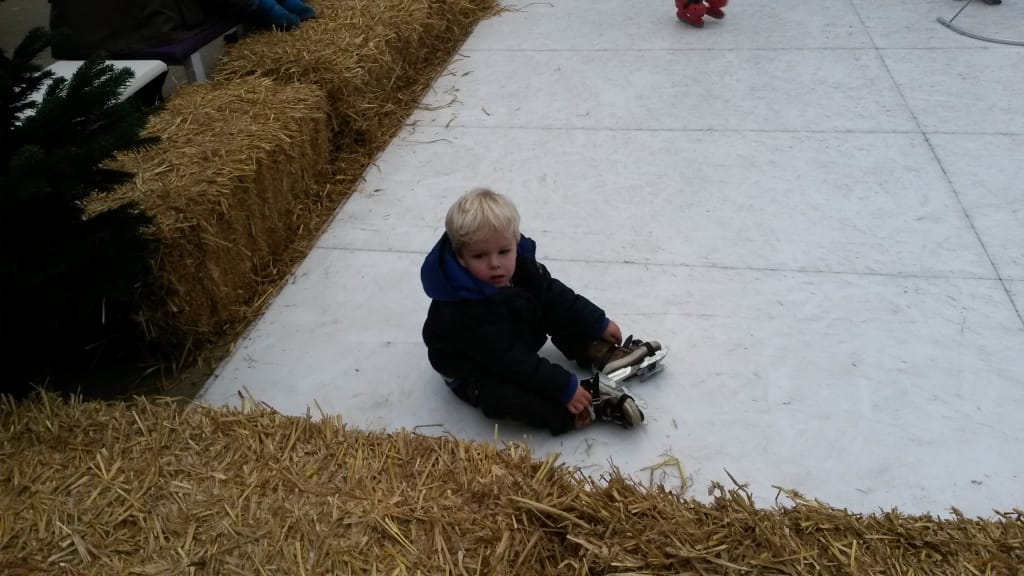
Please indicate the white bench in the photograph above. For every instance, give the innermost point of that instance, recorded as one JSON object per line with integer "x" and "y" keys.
{"x": 187, "y": 52}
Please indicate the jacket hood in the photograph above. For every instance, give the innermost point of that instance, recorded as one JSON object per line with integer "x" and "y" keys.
{"x": 445, "y": 279}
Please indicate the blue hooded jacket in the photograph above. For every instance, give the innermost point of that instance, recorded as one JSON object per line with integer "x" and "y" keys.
{"x": 446, "y": 280}
{"x": 474, "y": 329}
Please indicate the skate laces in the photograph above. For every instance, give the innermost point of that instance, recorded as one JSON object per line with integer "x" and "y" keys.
{"x": 612, "y": 352}
{"x": 632, "y": 343}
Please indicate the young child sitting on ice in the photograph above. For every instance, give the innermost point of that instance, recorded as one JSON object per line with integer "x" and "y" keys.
{"x": 494, "y": 306}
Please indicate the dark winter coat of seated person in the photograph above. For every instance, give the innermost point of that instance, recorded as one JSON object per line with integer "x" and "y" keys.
{"x": 493, "y": 307}
{"x": 130, "y": 28}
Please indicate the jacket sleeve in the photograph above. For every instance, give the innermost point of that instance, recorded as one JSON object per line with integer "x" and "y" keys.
{"x": 523, "y": 367}
{"x": 564, "y": 307}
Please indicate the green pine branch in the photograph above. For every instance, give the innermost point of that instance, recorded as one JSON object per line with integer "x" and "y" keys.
{"x": 72, "y": 286}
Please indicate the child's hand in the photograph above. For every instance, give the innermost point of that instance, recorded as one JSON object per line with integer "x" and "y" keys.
{"x": 612, "y": 333}
{"x": 580, "y": 400}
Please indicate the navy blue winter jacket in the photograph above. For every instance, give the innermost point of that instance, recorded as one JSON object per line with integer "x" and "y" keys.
{"x": 474, "y": 329}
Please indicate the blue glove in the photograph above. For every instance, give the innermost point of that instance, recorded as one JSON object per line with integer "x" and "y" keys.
{"x": 297, "y": 8}
{"x": 270, "y": 12}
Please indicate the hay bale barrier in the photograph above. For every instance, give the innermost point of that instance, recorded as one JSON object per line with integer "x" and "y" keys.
{"x": 149, "y": 487}
{"x": 373, "y": 58}
{"x": 229, "y": 186}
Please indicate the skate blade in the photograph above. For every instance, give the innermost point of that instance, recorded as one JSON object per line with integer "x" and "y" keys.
{"x": 650, "y": 366}
{"x": 607, "y": 386}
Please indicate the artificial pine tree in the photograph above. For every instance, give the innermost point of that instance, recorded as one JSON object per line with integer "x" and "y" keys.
{"x": 71, "y": 285}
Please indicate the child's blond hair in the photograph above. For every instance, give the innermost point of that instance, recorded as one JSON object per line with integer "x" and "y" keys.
{"x": 478, "y": 213}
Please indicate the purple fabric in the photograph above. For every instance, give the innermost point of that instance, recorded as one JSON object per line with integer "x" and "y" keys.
{"x": 181, "y": 50}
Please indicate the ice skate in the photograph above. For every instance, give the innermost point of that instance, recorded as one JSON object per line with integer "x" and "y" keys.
{"x": 610, "y": 404}
{"x": 691, "y": 11}
{"x": 634, "y": 358}
{"x": 714, "y": 8}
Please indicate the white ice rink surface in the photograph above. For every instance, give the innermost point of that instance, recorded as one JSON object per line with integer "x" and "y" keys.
{"x": 817, "y": 206}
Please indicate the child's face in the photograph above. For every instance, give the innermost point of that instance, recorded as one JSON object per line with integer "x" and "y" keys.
{"x": 491, "y": 259}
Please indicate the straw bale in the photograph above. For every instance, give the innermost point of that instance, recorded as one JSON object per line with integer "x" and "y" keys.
{"x": 230, "y": 184}
{"x": 150, "y": 487}
{"x": 365, "y": 54}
